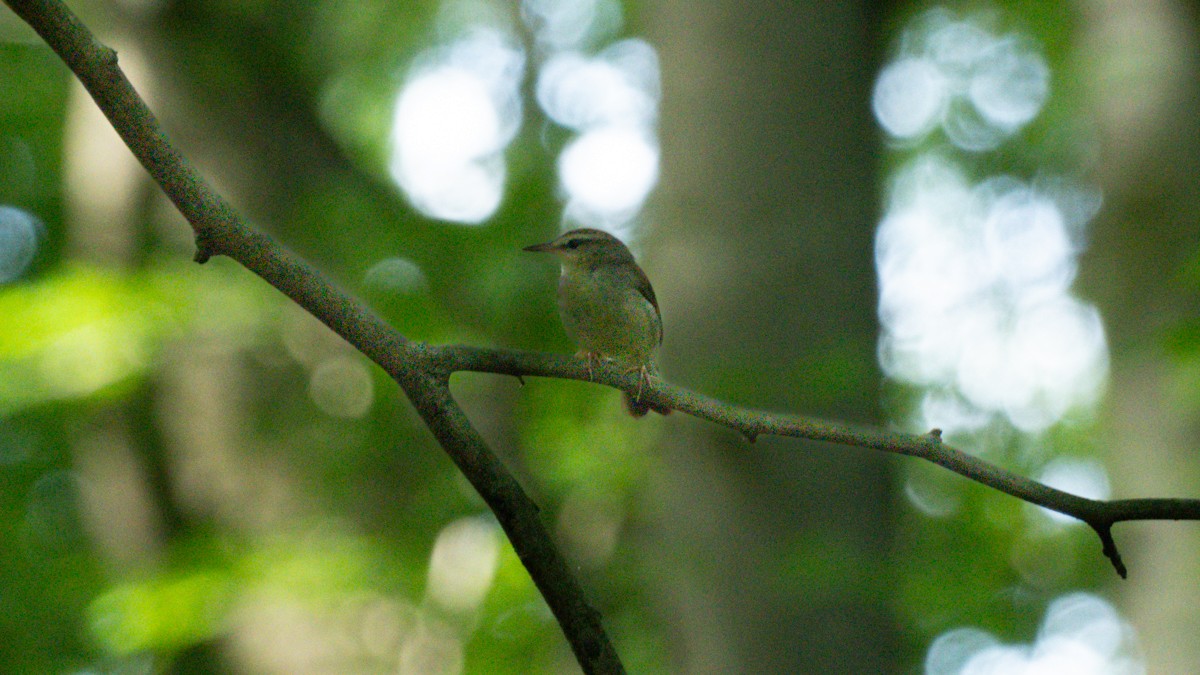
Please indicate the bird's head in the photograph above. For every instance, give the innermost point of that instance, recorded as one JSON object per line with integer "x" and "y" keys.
{"x": 585, "y": 248}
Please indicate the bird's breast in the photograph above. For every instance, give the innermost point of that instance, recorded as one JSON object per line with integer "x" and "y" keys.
{"x": 606, "y": 314}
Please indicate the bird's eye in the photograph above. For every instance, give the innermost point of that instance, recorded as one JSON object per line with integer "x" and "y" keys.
{"x": 572, "y": 243}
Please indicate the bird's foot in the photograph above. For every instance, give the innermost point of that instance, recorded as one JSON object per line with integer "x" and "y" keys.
{"x": 592, "y": 360}
{"x": 643, "y": 372}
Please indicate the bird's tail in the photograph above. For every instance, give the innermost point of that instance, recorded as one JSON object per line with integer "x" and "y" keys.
{"x": 639, "y": 407}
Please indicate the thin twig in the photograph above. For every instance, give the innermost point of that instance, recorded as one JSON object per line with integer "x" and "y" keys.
{"x": 1099, "y": 514}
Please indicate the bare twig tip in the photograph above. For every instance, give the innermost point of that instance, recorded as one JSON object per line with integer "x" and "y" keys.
{"x": 1119, "y": 565}
{"x": 204, "y": 249}
{"x": 1110, "y": 548}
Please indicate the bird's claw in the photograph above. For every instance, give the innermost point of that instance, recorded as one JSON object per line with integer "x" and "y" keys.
{"x": 643, "y": 379}
{"x": 592, "y": 359}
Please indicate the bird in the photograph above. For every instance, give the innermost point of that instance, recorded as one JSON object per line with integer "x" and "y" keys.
{"x": 607, "y": 306}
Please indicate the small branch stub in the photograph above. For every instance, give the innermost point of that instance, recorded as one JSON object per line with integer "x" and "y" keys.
{"x": 203, "y": 247}
{"x": 1110, "y": 548}
{"x": 108, "y": 55}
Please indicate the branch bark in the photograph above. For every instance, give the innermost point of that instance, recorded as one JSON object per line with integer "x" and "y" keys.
{"x": 1100, "y": 515}
{"x": 423, "y": 371}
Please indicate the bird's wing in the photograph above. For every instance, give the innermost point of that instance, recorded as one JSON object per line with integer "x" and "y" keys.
{"x": 642, "y": 284}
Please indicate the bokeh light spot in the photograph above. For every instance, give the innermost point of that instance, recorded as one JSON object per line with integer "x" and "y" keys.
{"x": 1010, "y": 90}
{"x": 618, "y": 86}
{"x": 980, "y": 88}
{"x": 560, "y": 25}
{"x": 1079, "y": 476}
{"x": 342, "y": 387}
{"x": 909, "y": 97}
{"x": 1081, "y": 634}
{"x": 974, "y": 295}
{"x": 611, "y": 99}
{"x": 453, "y": 119}
{"x": 608, "y": 173}
{"x": 396, "y": 275}
{"x": 20, "y": 233}
{"x": 463, "y": 564}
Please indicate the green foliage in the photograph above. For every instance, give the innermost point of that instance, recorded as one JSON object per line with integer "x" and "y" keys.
{"x": 89, "y": 333}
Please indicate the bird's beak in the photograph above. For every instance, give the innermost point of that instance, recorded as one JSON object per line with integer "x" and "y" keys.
{"x": 547, "y": 247}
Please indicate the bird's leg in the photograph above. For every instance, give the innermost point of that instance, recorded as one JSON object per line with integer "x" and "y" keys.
{"x": 643, "y": 372}
{"x": 592, "y": 359}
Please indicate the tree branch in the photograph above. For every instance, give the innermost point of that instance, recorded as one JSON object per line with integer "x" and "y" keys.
{"x": 220, "y": 231}
{"x": 1100, "y": 515}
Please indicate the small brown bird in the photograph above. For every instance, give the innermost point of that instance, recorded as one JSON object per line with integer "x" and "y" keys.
{"x": 607, "y": 305}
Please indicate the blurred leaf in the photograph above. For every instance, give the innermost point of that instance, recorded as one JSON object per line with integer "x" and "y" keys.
{"x": 162, "y": 614}
{"x": 82, "y": 331}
